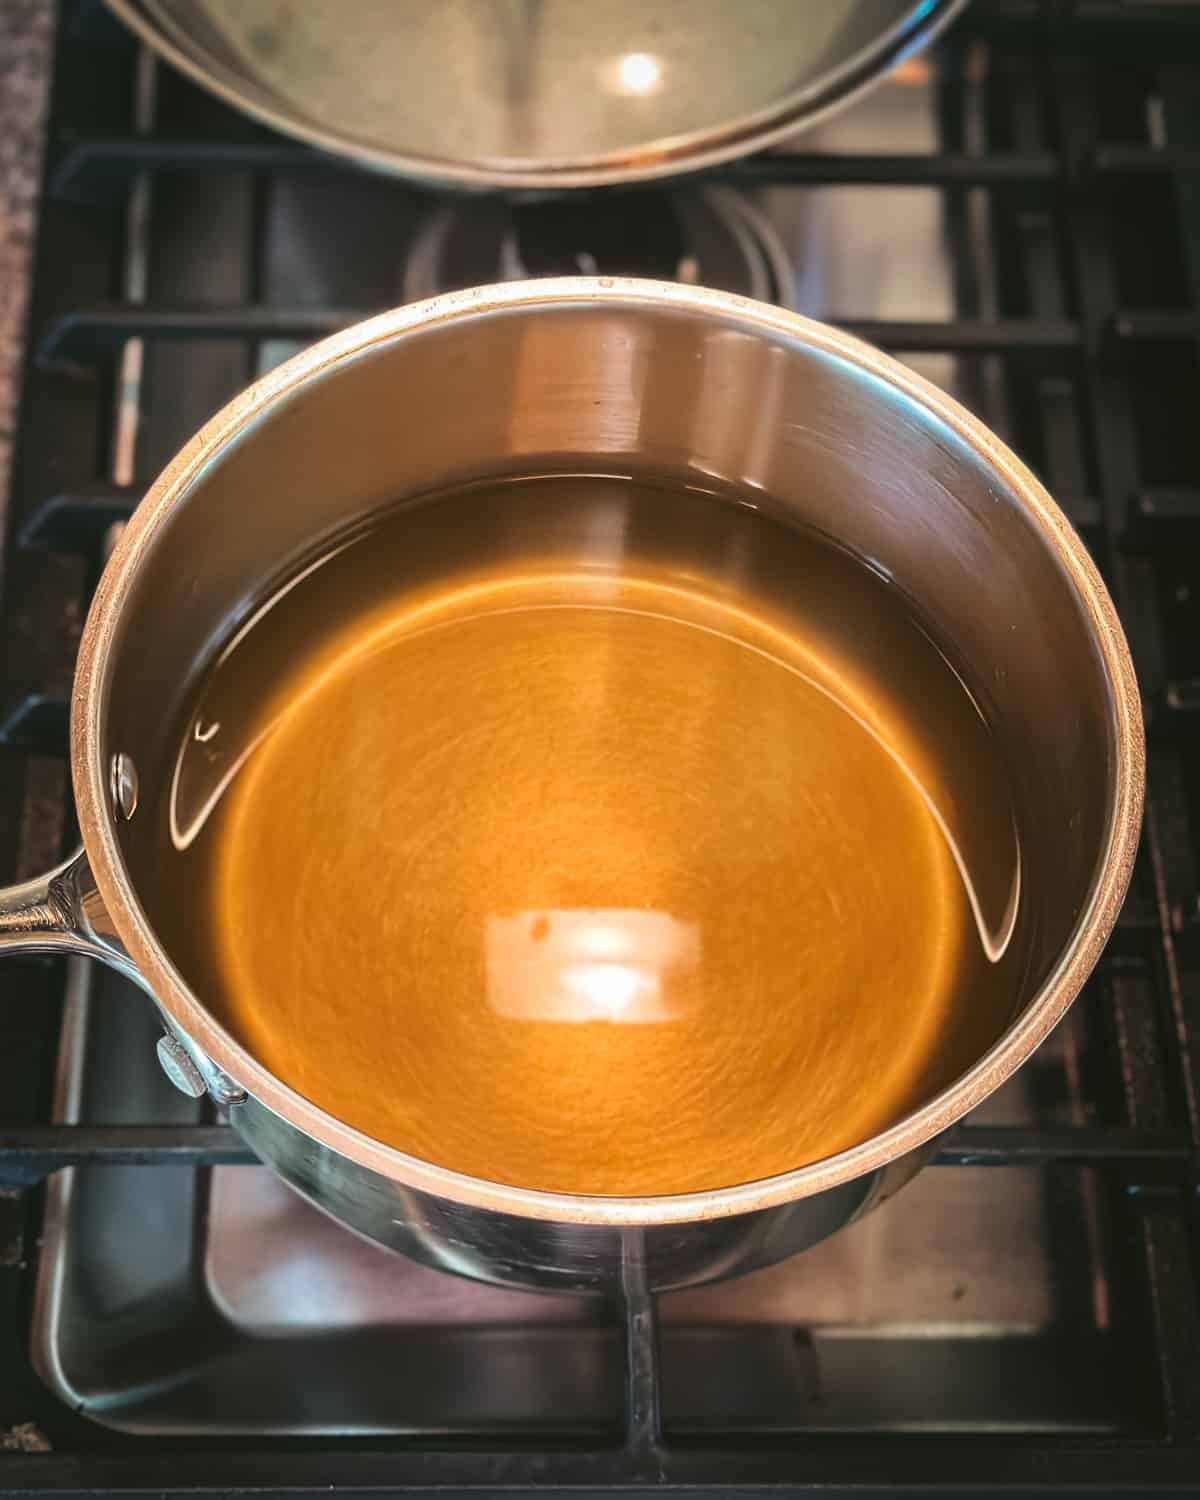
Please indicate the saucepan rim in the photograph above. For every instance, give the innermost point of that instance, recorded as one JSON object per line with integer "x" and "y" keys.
{"x": 1041, "y": 1013}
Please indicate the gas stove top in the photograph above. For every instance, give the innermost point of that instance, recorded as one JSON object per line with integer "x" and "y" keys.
{"x": 1018, "y": 216}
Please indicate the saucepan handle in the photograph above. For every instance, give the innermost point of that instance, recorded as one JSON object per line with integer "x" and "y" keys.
{"x": 62, "y": 912}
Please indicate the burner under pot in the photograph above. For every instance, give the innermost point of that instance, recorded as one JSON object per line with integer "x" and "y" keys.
{"x": 709, "y": 236}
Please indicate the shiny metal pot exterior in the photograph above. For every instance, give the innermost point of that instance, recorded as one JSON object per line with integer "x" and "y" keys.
{"x": 619, "y": 377}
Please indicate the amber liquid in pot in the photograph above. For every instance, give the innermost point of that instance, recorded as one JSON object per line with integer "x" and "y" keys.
{"x": 594, "y": 836}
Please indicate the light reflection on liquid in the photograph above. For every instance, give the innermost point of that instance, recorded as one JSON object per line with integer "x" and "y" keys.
{"x": 639, "y": 73}
{"x": 580, "y": 966}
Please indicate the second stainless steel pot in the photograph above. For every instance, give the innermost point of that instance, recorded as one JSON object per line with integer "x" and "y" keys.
{"x": 622, "y": 376}
{"x": 537, "y": 94}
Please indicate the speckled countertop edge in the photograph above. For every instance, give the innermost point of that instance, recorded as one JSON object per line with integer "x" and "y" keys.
{"x": 26, "y": 42}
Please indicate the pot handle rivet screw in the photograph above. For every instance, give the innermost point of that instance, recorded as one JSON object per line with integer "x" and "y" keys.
{"x": 124, "y": 783}
{"x": 178, "y": 1066}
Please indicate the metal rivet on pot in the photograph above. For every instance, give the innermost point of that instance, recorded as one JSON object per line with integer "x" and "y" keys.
{"x": 124, "y": 781}
{"x": 177, "y": 1064}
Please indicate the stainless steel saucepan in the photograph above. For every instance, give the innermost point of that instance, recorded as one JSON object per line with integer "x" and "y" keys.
{"x": 615, "y": 376}
{"x": 537, "y": 94}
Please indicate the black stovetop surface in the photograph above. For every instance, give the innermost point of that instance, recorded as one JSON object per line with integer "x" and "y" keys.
{"x": 1019, "y": 215}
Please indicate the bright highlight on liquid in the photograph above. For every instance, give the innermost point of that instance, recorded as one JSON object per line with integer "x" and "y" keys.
{"x": 639, "y": 73}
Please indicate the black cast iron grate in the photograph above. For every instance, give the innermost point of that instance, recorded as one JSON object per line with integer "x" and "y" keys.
{"x": 1087, "y": 324}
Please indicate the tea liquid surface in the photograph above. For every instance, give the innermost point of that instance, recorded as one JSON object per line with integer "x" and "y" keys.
{"x": 549, "y": 848}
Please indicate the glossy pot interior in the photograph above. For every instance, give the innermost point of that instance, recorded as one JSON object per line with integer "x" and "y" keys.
{"x": 624, "y": 377}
